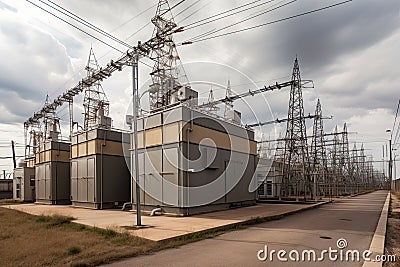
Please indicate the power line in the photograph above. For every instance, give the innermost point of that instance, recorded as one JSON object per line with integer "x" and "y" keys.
{"x": 174, "y": 6}
{"x": 84, "y": 22}
{"x": 219, "y": 14}
{"x": 193, "y": 13}
{"x": 134, "y": 17}
{"x": 394, "y": 123}
{"x": 228, "y": 15}
{"x": 246, "y": 19}
{"x": 272, "y": 22}
{"x": 76, "y": 27}
{"x": 195, "y": 3}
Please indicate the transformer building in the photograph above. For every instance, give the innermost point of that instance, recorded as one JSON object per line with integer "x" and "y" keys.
{"x": 186, "y": 155}
{"x": 52, "y": 173}
{"x": 100, "y": 177}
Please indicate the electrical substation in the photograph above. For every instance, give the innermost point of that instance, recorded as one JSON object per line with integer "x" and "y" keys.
{"x": 180, "y": 151}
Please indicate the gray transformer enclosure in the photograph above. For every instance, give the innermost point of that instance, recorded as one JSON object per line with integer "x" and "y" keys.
{"x": 167, "y": 138}
{"x": 100, "y": 177}
{"x": 52, "y": 173}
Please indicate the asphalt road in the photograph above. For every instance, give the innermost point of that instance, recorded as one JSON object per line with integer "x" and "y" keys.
{"x": 353, "y": 219}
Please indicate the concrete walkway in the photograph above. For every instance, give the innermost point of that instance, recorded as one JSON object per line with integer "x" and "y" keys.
{"x": 163, "y": 227}
{"x": 352, "y": 221}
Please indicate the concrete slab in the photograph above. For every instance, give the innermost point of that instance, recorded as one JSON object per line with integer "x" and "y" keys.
{"x": 163, "y": 227}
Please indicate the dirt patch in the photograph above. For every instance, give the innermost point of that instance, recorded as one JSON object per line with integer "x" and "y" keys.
{"x": 392, "y": 246}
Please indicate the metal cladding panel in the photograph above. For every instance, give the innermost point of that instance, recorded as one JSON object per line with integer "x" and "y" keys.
{"x": 82, "y": 137}
{"x": 116, "y": 179}
{"x": 153, "y": 180}
{"x": 140, "y": 123}
{"x": 153, "y": 121}
{"x": 222, "y": 140}
{"x": 90, "y": 179}
{"x": 48, "y": 187}
{"x": 74, "y": 180}
{"x": 39, "y": 182}
{"x": 82, "y": 149}
{"x": 61, "y": 182}
{"x": 244, "y": 173}
{"x": 170, "y": 185}
{"x": 82, "y": 180}
{"x": 153, "y": 137}
{"x": 171, "y": 133}
{"x": 172, "y": 116}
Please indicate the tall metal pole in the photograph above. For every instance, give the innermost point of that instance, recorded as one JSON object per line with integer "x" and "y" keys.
{"x": 135, "y": 83}
{"x": 390, "y": 160}
{"x": 13, "y": 154}
{"x": 71, "y": 117}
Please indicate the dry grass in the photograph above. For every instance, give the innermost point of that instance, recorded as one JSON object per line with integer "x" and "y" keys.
{"x": 392, "y": 246}
{"x": 28, "y": 240}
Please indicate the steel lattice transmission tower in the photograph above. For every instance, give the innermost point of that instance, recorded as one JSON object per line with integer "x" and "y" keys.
{"x": 95, "y": 102}
{"x": 318, "y": 153}
{"x": 345, "y": 159}
{"x": 355, "y": 170}
{"x": 296, "y": 158}
{"x": 167, "y": 70}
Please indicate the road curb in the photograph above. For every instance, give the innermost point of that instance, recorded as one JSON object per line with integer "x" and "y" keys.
{"x": 377, "y": 246}
{"x": 199, "y": 235}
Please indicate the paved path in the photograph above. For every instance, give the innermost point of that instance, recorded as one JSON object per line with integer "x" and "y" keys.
{"x": 353, "y": 219}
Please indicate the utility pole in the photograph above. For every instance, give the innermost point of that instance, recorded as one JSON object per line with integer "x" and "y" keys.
{"x": 390, "y": 155}
{"x": 390, "y": 160}
{"x": 135, "y": 159}
{"x": 13, "y": 154}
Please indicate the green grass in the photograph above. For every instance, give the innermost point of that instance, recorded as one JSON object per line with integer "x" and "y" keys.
{"x": 74, "y": 250}
{"x": 54, "y": 220}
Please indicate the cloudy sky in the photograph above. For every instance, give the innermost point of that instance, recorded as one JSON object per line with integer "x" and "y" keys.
{"x": 350, "y": 52}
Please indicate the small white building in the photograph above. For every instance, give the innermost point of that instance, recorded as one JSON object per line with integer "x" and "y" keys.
{"x": 24, "y": 183}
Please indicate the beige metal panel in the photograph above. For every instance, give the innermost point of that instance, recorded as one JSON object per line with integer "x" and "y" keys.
{"x": 110, "y": 148}
{"x": 82, "y": 149}
{"x": 61, "y": 156}
{"x": 47, "y": 156}
{"x": 41, "y": 156}
{"x": 153, "y": 137}
{"x": 74, "y": 151}
{"x": 171, "y": 133}
{"x": 221, "y": 140}
{"x": 91, "y": 145}
{"x": 37, "y": 158}
{"x": 140, "y": 140}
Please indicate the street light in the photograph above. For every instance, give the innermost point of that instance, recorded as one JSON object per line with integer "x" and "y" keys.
{"x": 390, "y": 154}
